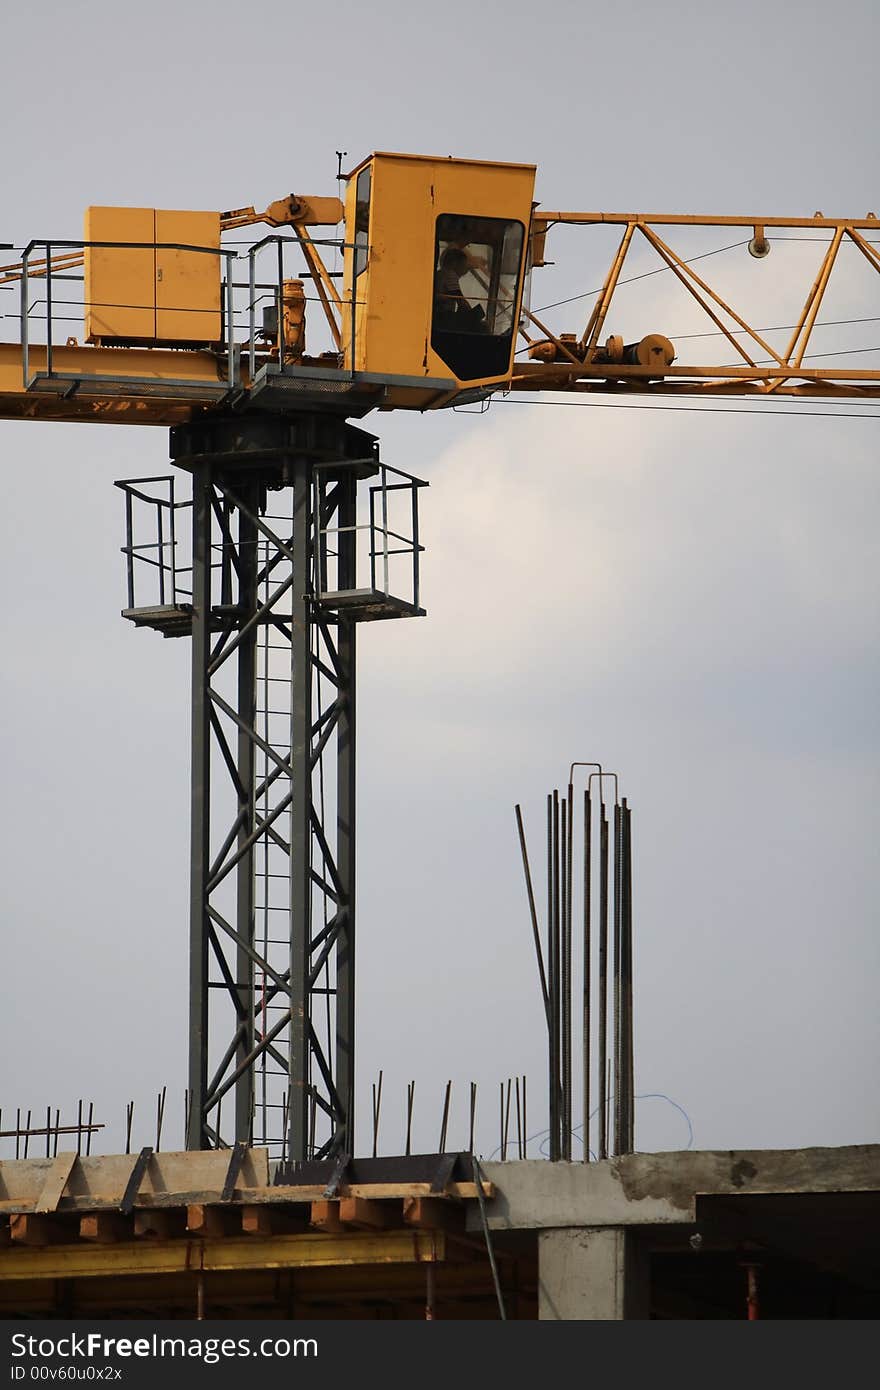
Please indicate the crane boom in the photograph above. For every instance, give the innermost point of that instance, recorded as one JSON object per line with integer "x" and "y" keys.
{"x": 434, "y": 309}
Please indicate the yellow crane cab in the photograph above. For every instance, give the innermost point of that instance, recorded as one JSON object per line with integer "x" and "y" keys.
{"x": 436, "y": 253}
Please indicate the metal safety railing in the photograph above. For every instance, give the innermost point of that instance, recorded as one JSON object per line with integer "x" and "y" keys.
{"x": 267, "y": 294}
{"x": 59, "y": 260}
{"x": 408, "y": 545}
{"x": 385, "y": 540}
{"x": 157, "y": 557}
{"x": 252, "y": 312}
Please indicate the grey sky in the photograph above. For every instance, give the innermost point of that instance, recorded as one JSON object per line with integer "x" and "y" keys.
{"x": 692, "y": 600}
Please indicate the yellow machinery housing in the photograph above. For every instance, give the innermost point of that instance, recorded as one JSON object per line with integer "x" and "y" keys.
{"x": 164, "y": 288}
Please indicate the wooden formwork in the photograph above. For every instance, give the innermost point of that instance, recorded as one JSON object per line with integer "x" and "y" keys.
{"x": 189, "y": 1234}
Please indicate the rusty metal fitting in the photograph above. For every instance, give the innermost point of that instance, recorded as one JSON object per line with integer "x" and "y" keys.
{"x": 543, "y": 352}
{"x": 548, "y": 351}
{"x": 654, "y": 351}
{"x": 614, "y": 349}
{"x": 293, "y": 302}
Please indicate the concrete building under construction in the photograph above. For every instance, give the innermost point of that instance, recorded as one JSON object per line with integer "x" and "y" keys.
{"x": 771, "y": 1234}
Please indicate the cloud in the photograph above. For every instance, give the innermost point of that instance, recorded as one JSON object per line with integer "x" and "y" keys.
{"x": 601, "y": 551}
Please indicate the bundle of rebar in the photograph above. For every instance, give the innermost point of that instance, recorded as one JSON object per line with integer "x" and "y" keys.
{"x": 603, "y": 846}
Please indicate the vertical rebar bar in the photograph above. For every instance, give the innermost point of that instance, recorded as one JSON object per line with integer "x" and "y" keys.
{"x": 569, "y": 1001}
{"x": 557, "y": 971}
{"x": 608, "y": 1100}
{"x": 377, "y": 1103}
{"x": 603, "y": 980}
{"x": 507, "y": 1117}
{"x": 478, "y": 1180}
{"x": 445, "y": 1121}
{"x": 629, "y": 1070}
{"x": 160, "y": 1115}
{"x": 617, "y": 994}
{"x": 565, "y": 952}
{"x": 473, "y": 1116}
{"x": 587, "y": 968}
{"x": 533, "y": 913}
{"x": 525, "y": 1120}
{"x": 410, "y": 1102}
{"x": 552, "y": 1088}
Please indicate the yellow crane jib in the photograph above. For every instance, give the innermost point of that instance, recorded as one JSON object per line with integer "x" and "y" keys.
{"x": 422, "y": 296}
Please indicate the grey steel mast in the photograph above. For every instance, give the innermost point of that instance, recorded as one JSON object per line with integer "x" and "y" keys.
{"x": 273, "y": 608}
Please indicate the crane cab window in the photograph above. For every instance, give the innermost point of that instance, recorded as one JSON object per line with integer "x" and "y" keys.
{"x": 477, "y": 267}
{"x": 362, "y": 220}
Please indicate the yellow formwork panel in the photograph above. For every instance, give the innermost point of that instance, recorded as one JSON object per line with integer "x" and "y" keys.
{"x": 152, "y": 293}
{"x": 394, "y": 293}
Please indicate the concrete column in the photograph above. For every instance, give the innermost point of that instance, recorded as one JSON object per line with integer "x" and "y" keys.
{"x": 592, "y": 1273}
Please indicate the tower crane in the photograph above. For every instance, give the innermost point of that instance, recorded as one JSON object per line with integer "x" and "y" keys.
{"x": 421, "y": 280}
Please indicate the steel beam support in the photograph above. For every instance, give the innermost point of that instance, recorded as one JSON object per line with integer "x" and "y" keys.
{"x": 200, "y": 798}
{"x": 346, "y": 814}
{"x": 247, "y": 709}
{"x": 124, "y": 1259}
{"x": 299, "y": 1138}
